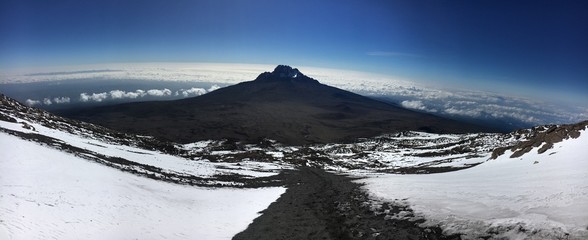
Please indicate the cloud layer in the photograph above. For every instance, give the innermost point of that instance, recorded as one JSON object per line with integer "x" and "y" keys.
{"x": 484, "y": 105}
{"x": 123, "y": 95}
{"x": 415, "y": 104}
{"x": 194, "y": 72}
{"x": 48, "y": 101}
{"x": 409, "y": 94}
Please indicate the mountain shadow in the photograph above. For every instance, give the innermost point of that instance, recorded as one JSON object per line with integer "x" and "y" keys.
{"x": 284, "y": 105}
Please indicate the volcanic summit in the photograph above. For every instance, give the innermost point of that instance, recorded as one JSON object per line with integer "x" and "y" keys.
{"x": 284, "y": 105}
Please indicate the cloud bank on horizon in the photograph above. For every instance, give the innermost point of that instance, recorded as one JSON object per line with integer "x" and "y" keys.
{"x": 122, "y": 95}
{"x": 460, "y": 103}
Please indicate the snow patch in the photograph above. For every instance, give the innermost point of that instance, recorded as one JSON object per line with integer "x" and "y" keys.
{"x": 535, "y": 196}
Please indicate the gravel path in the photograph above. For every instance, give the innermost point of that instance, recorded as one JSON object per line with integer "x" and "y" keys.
{"x": 321, "y": 205}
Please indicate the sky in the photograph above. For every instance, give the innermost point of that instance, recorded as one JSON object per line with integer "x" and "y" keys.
{"x": 534, "y": 46}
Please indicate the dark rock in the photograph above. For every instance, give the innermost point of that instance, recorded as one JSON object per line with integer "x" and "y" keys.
{"x": 541, "y": 136}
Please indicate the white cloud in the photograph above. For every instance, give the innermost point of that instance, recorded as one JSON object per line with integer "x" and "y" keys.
{"x": 159, "y": 92}
{"x": 465, "y": 102}
{"x": 47, "y": 101}
{"x": 61, "y": 100}
{"x": 413, "y": 105}
{"x": 478, "y": 104}
{"x": 31, "y": 102}
{"x": 194, "y": 91}
{"x": 195, "y": 72}
{"x": 119, "y": 94}
{"x": 213, "y": 87}
{"x": 463, "y": 112}
{"x": 84, "y": 97}
{"x": 95, "y": 97}
{"x": 191, "y": 92}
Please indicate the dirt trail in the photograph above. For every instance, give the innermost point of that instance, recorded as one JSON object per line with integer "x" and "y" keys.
{"x": 321, "y": 205}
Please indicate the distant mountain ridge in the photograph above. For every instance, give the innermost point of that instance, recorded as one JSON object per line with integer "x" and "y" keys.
{"x": 283, "y": 105}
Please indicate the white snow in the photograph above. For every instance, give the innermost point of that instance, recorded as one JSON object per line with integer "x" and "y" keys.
{"x": 412, "y": 150}
{"x": 166, "y": 162}
{"x": 275, "y": 154}
{"x": 251, "y": 168}
{"x": 49, "y": 194}
{"x": 545, "y": 194}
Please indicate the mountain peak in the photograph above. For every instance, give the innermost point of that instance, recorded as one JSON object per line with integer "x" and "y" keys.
{"x": 284, "y": 72}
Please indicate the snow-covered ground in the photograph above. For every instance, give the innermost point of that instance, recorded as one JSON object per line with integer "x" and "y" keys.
{"x": 49, "y": 194}
{"x": 536, "y": 196}
{"x": 394, "y": 152}
{"x": 168, "y": 163}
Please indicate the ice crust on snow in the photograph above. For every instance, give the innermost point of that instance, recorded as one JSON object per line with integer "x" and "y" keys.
{"x": 536, "y": 196}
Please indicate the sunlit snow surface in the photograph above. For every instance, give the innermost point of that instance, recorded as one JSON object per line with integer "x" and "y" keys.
{"x": 49, "y": 194}
{"x": 536, "y": 196}
{"x": 46, "y": 193}
{"x": 412, "y": 150}
{"x": 166, "y": 162}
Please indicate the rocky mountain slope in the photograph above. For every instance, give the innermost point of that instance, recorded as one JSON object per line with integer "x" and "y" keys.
{"x": 140, "y": 155}
{"x": 284, "y": 105}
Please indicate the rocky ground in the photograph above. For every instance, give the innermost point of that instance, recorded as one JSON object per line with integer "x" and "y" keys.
{"x": 322, "y": 205}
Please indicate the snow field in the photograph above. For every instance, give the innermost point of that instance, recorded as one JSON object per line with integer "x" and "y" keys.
{"x": 166, "y": 162}
{"x": 412, "y": 150}
{"x": 49, "y": 194}
{"x": 536, "y": 196}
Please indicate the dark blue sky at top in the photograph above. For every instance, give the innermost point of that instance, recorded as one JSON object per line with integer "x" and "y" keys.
{"x": 543, "y": 44}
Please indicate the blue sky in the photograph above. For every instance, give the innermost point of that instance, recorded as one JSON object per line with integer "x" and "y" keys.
{"x": 540, "y": 45}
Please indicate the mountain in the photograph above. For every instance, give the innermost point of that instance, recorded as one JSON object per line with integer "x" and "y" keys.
{"x": 528, "y": 184}
{"x": 284, "y": 105}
